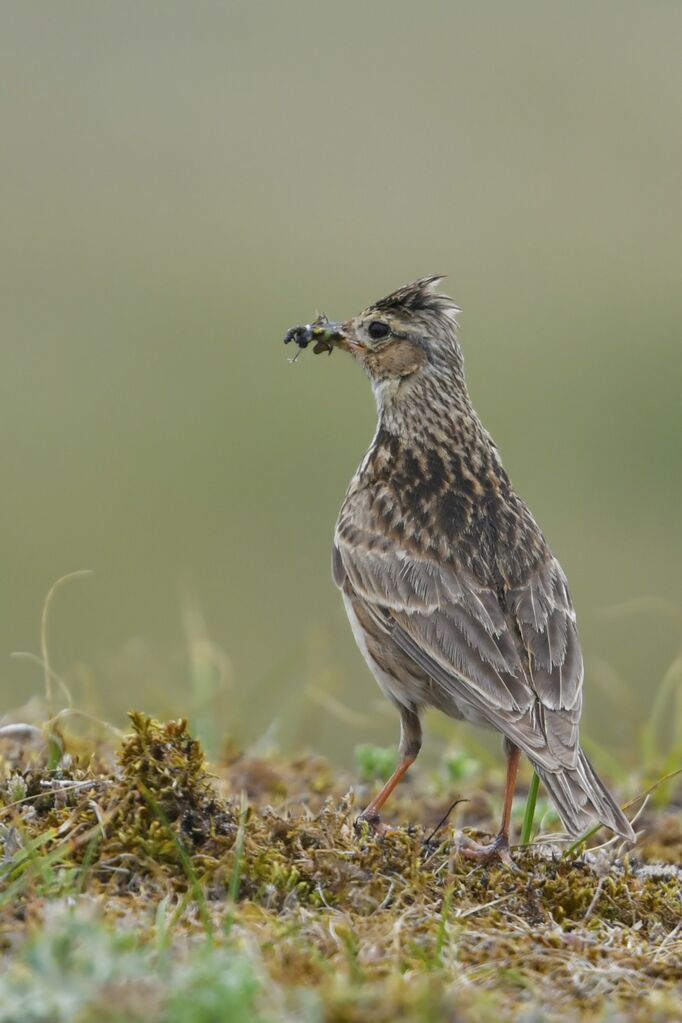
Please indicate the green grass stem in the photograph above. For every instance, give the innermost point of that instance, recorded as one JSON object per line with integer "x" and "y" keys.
{"x": 529, "y": 815}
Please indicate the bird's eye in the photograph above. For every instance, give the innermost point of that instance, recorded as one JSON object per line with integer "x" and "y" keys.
{"x": 378, "y": 330}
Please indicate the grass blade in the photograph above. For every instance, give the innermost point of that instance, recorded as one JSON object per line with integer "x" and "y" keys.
{"x": 529, "y": 815}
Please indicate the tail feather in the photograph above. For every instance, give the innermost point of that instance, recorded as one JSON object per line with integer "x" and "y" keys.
{"x": 581, "y": 797}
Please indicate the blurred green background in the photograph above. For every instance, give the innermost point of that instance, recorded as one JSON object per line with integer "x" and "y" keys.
{"x": 182, "y": 182}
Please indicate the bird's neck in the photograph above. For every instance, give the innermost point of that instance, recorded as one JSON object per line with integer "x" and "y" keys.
{"x": 429, "y": 413}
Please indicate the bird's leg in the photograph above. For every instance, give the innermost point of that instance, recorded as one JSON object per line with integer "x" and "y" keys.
{"x": 499, "y": 849}
{"x": 371, "y": 811}
{"x": 410, "y": 745}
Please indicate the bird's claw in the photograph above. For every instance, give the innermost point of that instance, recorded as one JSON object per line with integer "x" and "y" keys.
{"x": 497, "y": 850}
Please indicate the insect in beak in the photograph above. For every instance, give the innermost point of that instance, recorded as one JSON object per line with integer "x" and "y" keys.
{"x": 321, "y": 331}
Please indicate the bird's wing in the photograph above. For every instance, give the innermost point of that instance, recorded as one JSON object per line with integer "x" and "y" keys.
{"x": 544, "y": 617}
{"x": 520, "y": 670}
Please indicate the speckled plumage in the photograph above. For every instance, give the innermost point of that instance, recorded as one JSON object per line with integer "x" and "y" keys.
{"x": 453, "y": 594}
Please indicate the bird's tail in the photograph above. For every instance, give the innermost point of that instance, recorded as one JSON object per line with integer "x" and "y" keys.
{"x": 580, "y": 797}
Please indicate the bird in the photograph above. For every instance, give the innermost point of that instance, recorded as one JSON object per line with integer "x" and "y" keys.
{"x": 453, "y": 595}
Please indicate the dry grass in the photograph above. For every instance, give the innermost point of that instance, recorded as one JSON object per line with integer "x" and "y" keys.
{"x": 259, "y": 862}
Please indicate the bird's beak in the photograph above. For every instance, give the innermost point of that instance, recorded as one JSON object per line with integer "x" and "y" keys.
{"x": 341, "y": 336}
{"x": 329, "y": 335}
{"x": 326, "y": 336}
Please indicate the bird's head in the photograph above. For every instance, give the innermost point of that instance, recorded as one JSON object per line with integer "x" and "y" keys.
{"x": 406, "y": 337}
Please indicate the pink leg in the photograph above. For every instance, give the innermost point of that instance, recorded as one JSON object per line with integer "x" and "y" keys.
{"x": 499, "y": 849}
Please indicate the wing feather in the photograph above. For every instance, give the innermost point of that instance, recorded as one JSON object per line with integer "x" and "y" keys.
{"x": 518, "y": 667}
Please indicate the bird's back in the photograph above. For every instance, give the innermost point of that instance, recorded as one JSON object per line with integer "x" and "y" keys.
{"x": 444, "y": 562}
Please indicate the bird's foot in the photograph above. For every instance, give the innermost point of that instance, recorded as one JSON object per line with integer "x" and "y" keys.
{"x": 497, "y": 850}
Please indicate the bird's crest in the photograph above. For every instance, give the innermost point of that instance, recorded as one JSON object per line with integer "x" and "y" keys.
{"x": 420, "y": 295}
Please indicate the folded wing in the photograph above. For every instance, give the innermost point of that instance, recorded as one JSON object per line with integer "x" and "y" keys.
{"x": 517, "y": 666}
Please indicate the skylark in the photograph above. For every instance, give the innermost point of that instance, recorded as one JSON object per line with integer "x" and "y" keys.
{"x": 453, "y": 595}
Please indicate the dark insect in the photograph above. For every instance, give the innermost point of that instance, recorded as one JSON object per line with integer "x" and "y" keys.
{"x": 316, "y": 331}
